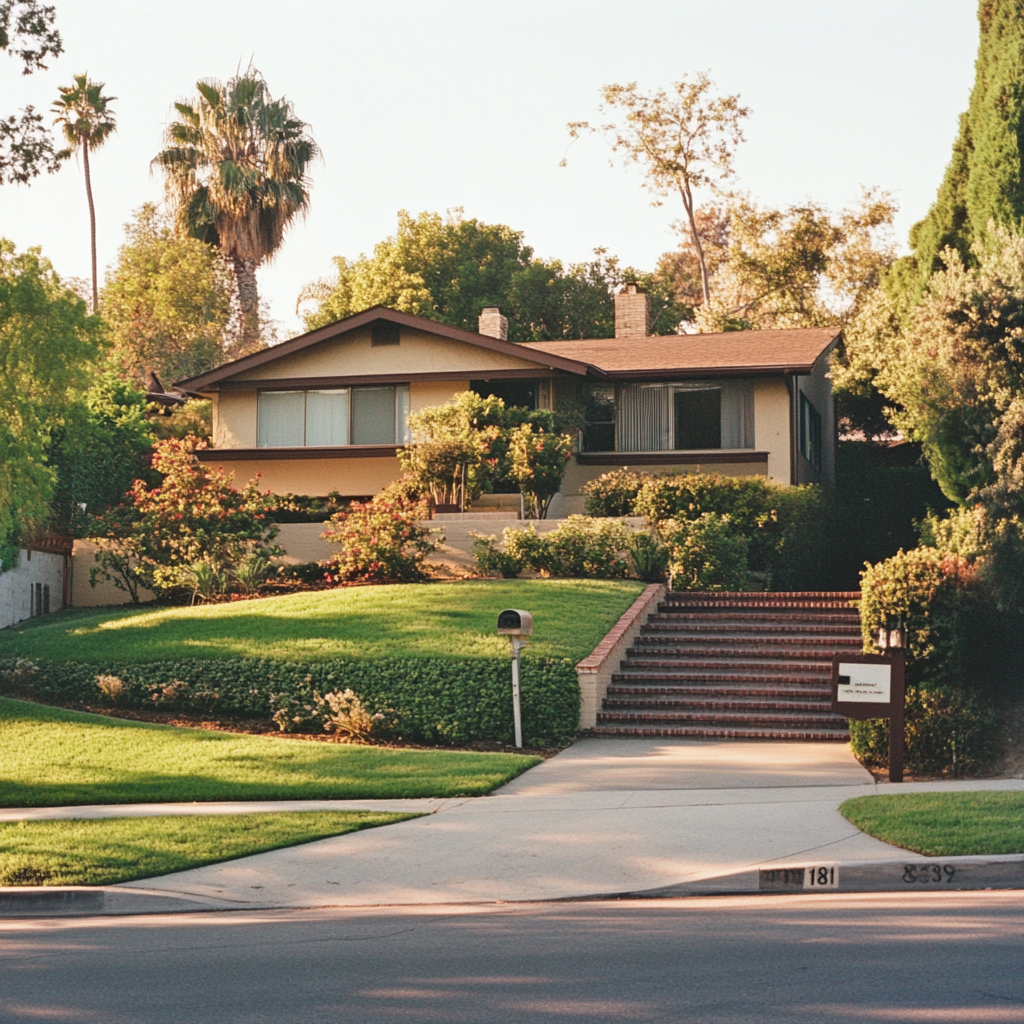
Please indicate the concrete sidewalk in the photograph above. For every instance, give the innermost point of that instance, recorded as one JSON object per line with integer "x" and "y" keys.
{"x": 604, "y": 816}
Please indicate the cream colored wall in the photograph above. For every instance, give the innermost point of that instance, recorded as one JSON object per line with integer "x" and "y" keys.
{"x": 349, "y": 477}
{"x": 771, "y": 426}
{"x": 418, "y": 352}
{"x": 818, "y": 389}
{"x": 83, "y": 594}
{"x": 425, "y": 393}
{"x": 234, "y": 419}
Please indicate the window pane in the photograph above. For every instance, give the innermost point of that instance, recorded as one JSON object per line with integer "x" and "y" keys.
{"x": 599, "y": 427}
{"x": 644, "y": 418}
{"x": 698, "y": 419}
{"x": 327, "y": 417}
{"x": 373, "y": 416}
{"x": 738, "y": 415}
{"x": 402, "y": 431}
{"x": 280, "y": 416}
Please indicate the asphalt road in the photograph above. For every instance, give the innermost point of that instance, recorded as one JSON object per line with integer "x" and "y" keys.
{"x": 956, "y": 957}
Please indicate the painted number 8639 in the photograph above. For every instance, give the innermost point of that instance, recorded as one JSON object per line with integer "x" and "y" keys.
{"x": 928, "y": 873}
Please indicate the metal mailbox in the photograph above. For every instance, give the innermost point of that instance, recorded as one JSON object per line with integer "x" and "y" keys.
{"x": 515, "y": 622}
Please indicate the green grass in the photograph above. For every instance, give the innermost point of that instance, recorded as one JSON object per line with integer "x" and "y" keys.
{"x": 50, "y": 757}
{"x": 112, "y": 850}
{"x": 943, "y": 824}
{"x": 408, "y": 620}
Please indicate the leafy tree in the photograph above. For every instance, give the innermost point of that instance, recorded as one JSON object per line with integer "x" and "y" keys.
{"x": 681, "y": 268}
{"x": 684, "y": 142}
{"x": 538, "y": 465}
{"x": 47, "y": 341}
{"x": 449, "y": 268}
{"x": 27, "y": 32}
{"x": 236, "y": 170}
{"x": 167, "y": 301}
{"x": 98, "y": 447}
{"x": 84, "y": 114}
{"x": 983, "y": 181}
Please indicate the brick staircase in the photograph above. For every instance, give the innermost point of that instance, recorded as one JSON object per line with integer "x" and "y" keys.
{"x": 739, "y": 666}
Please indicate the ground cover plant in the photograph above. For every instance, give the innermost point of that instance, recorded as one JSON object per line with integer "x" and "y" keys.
{"x": 437, "y": 620}
{"x": 109, "y": 851}
{"x": 54, "y": 757}
{"x": 943, "y": 824}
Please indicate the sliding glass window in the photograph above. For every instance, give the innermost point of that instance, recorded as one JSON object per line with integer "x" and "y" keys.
{"x": 334, "y": 417}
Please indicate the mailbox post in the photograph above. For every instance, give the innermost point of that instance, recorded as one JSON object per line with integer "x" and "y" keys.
{"x": 517, "y": 625}
{"x": 872, "y": 686}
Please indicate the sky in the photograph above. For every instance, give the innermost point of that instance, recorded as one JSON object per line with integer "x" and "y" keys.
{"x": 434, "y": 104}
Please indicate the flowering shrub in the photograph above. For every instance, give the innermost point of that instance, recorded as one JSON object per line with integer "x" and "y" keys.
{"x": 538, "y": 465}
{"x": 614, "y": 494}
{"x": 705, "y": 553}
{"x": 346, "y": 716}
{"x": 195, "y": 517}
{"x": 381, "y": 539}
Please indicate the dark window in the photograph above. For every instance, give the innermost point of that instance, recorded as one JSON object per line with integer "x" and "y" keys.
{"x": 373, "y": 416}
{"x": 698, "y": 419}
{"x": 384, "y": 332}
{"x": 599, "y": 420}
{"x": 521, "y": 393}
{"x": 810, "y": 432}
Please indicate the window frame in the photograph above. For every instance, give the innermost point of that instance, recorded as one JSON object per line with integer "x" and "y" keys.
{"x": 810, "y": 436}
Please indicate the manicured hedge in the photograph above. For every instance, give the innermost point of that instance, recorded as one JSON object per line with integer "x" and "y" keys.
{"x": 425, "y": 700}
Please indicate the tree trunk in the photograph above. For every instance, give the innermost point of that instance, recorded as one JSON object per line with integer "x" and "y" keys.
{"x": 248, "y": 298}
{"x": 705, "y": 282}
{"x": 92, "y": 224}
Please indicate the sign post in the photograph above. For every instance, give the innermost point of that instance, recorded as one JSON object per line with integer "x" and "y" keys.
{"x": 872, "y": 686}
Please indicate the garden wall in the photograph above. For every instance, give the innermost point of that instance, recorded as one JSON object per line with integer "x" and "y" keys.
{"x": 37, "y": 583}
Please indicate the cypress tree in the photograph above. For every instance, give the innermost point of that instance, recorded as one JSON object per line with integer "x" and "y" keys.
{"x": 983, "y": 181}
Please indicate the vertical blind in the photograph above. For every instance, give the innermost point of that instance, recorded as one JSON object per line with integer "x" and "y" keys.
{"x": 645, "y": 421}
{"x": 333, "y": 417}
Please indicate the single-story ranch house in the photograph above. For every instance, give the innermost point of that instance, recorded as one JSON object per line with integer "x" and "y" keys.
{"x": 328, "y": 410}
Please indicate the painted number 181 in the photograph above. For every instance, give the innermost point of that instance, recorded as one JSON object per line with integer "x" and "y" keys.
{"x": 821, "y": 876}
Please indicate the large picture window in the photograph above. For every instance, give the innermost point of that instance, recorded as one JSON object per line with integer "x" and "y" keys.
{"x": 333, "y": 417}
{"x": 599, "y": 420}
{"x": 686, "y": 416}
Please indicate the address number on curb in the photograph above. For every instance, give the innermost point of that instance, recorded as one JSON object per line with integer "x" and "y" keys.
{"x": 811, "y": 877}
{"x": 928, "y": 873}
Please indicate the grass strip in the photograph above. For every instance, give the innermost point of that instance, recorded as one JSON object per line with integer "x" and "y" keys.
{"x": 112, "y": 850}
{"x": 52, "y": 757}
{"x": 943, "y": 824}
{"x": 436, "y": 620}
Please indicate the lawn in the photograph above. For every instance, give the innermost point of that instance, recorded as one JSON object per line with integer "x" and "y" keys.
{"x": 410, "y": 620}
{"x": 51, "y": 757}
{"x": 943, "y": 824}
{"x": 112, "y": 850}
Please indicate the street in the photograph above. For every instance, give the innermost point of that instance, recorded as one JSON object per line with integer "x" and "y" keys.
{"x": 955, "y": 957}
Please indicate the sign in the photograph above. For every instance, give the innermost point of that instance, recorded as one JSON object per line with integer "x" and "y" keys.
{"x": 871, "y": 684}
{"x": 811, "y": 877}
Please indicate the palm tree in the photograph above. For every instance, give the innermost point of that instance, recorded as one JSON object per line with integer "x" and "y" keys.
{"x": 87, "y": 120}
{"x": 235, "y": 167}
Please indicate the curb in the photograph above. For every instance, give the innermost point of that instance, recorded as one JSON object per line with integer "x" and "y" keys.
{"x": 93, "y": 901}
{"x": 922, "y": 874}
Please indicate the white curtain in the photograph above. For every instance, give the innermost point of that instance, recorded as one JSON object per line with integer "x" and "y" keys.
{"x": 327, "y": 417}
{"x": 737, "y": 414}
{"x": 280, "y": 419}
{"x": 644, "y": 418}
{"x": 402, "y": 432}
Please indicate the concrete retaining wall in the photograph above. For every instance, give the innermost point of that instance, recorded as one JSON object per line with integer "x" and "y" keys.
{"x": 18, "y": 586}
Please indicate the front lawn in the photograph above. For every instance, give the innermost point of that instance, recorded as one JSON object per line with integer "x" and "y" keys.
{"x": 943, "y": 824}
{"x": 50, "y": 757}
{"x": 447, "y": 620}
{"x": 113, "y": 850}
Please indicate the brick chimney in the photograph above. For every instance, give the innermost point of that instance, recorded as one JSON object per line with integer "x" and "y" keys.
{"x": 493, "y": 324}
{"x": 632, "y": 316}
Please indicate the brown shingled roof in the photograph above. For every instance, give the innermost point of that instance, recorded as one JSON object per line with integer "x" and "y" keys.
{"x": 735, "y": 352}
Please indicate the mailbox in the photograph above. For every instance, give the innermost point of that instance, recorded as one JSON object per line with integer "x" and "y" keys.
{"x": 513, "y": 622}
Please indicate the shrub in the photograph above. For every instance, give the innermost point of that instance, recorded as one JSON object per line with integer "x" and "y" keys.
{"x": 346, "y": 716}
{"x": 705, "y": 553}
{"x": 948, "y": 732}
{"x": 614, "y": 494}
{"x": 381, "y": 539}
{"x": 538, "y": 465}
{"x": 423, "y": 700}
{"x": 304, "y": 508}
{"x": 112, "y": 687}
{"x": 649, "y": 556}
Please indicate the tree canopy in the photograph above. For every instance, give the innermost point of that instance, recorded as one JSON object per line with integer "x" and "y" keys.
{"x": 449, "y": 268}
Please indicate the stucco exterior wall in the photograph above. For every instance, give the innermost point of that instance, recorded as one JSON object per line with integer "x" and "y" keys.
{"x": 15, "y": 596}
{"x": 234, "y": 419}
{"x": 818, "y": 389}
{"x": 771, "y": 426}
{"x": 418, "y": 352}
{"x": 425, "y": 393}
{"x": 351, "y": 478}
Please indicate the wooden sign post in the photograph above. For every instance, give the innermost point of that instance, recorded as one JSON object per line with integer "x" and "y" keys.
{"x": 872, "y": 686}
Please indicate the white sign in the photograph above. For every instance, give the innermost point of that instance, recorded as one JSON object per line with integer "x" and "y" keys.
{"x": 821, "y": 876}
{"x": 868, "y": 684}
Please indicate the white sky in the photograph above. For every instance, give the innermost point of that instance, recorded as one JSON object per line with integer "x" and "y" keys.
{"x": 439, "y": 103}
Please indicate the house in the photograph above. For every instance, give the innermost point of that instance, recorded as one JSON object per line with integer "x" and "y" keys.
{"x": 327, "y": 411}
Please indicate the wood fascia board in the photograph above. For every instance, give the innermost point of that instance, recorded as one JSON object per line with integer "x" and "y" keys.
{"x": 670, "y": 458}
{"x": 304, "y": 383}
{"x": 708, "y": 372}
{"x": 202, "y": 381}
{"x": 349, "y": 451}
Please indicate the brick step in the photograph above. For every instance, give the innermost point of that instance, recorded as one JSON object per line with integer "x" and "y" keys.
{"x": 723, "y": 732}
{"x": 743, "y": 627}
{"x": 757, "y": 652}
{"x": 687, "y": 704}
{"x": 758, "y": 607}
{"x": 727, "y": 666}
{"x": 755, "y": 614}
{"x": 762, "y": 595}
{"x": 761, "y": 638}
{"x": 725, "y": 719}
{"x": 712, "y": 678}
{"x": 806, "y": 691}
